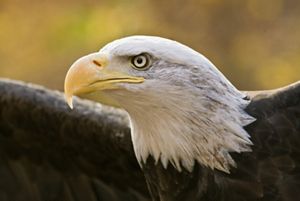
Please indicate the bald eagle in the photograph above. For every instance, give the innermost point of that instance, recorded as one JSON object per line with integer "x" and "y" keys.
{"x": 194, "y": 135}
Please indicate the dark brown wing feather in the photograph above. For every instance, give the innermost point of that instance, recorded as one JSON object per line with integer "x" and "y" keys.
{"x": 48, "y": 152}
{"x": 272, "y": 170}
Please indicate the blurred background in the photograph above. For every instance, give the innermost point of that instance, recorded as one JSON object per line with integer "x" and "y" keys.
{"x": 255, "y": 43}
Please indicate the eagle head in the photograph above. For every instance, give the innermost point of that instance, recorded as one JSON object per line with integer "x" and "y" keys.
{"x": 182, "y": 109}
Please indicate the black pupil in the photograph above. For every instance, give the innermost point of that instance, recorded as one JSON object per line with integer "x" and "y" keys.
{"x": 139, "y": 60}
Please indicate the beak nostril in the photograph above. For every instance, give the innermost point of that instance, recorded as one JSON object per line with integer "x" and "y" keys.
{"x": 97, "y": 63}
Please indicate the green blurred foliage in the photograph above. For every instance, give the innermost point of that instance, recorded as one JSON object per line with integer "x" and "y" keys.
{"x": 255, "y": 43}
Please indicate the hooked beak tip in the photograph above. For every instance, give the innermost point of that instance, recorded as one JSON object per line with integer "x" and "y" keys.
{"x": 69, "y": 100}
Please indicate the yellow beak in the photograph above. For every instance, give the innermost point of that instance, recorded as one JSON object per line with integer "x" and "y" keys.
{"x": 90, "y": 73}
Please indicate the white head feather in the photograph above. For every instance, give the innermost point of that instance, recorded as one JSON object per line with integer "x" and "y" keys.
{"x": 185, "y": 111}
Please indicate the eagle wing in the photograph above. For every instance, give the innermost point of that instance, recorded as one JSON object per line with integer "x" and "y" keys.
{"x": 48, "y": 152}
{"x": 272, "y": 170}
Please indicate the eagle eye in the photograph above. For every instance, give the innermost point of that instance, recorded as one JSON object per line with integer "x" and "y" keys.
{"x": 141, "y": 61}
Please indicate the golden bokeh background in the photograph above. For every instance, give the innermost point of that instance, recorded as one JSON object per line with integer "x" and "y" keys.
{"x": 255, "y": 43}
